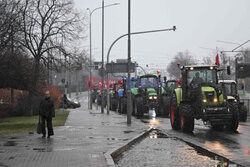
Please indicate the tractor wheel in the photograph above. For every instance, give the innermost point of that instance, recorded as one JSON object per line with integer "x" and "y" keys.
{"x": 234, "y": 122}
{"x": 123, "y": 105}
{"x": 165, "y": 106}
{"x": 186, "y": 118}
{"x": 99, "y": 101}
{"x": 139, "y": 107}
{"x": 243, "y": 113}
{"x": 113, "y": 104}
{"x": 174, "y": 113}
{"x": 218, "y": 127}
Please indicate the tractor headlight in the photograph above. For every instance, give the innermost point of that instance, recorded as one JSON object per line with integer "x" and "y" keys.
{"x": 215, "y": 100}
{"x": 150, "y": 97}
{"x": 204, "y": 100}
{"x": 155, "y": 97}
{"x": 235, "y": 100}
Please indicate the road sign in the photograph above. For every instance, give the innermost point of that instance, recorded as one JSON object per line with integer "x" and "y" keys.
{"x": 119, "y": 67}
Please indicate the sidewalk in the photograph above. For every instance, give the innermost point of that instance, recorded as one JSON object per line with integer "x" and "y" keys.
{"x": 83, "y": 141}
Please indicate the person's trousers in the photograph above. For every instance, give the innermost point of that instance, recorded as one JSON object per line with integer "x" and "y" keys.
{"x": 49, "y": 125}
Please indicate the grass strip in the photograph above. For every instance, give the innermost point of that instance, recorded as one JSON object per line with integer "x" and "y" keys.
{"x": 13, "y": 125}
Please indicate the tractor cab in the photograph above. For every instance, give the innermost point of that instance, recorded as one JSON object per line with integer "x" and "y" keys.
{"x": 233, "y": 97}
{"x": 201, "y": 76}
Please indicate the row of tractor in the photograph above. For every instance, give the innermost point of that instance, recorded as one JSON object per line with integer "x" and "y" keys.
{"x": 199, "y": 95}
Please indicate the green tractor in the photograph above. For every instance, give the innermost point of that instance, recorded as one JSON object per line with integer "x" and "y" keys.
{"x": 148, "y": 95}
{"x": 201, "y": 97}
{"x": 233, "y": 97}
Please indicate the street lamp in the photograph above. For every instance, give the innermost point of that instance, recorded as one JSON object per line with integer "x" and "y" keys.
{"x": 90, "y": 45}
{"x": 124, "y": 35}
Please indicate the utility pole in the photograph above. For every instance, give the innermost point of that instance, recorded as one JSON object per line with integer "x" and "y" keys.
{"x": 102, "y": 72}
{"x": 129, "y": 102}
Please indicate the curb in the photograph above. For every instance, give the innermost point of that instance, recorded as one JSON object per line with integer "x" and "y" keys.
{"x": 109, "y": 155}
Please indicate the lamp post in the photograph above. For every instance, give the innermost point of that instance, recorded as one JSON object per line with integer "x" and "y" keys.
{"x": 124, "y": 35}
{"x": 90, "y": 44}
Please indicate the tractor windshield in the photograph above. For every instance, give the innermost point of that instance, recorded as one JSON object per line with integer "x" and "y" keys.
{"x": 230, "y": 89}
{"x": 204, "y": 76}
{"x": 171, "y": 85}
{"x": 133, "y": 84}
{"x": 149, "y": 82}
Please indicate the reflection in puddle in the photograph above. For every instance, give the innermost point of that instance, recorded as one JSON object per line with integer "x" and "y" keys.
{"x": 156, "y": 134}
{"x": 153, "y": 123}
{"x": 221, "y": 161}
{"x": 246, "y": 151}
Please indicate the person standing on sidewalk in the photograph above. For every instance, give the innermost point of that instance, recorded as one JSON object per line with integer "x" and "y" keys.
{"x": 47, "y": 111}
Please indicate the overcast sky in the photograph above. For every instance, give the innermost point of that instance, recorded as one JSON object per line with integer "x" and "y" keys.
{"x": 200, "y": 23}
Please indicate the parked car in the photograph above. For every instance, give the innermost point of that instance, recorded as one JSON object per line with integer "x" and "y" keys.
{"x": 70, "y": 103}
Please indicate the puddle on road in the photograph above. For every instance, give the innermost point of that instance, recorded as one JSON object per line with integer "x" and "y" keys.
{"x": 10, "y": 143}
{"x": 223, "y": 162}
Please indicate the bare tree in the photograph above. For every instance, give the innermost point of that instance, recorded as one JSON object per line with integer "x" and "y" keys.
{"x": 184, "y": 58}
{"x": 45, "y": 23}
{"x": 10, "y": 17}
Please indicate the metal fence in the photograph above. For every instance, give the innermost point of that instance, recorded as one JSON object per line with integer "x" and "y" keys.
{"x": 247, "y": 104}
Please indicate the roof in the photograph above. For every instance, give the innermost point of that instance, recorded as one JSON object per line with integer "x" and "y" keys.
{"x": 147, "y": 75}
{"x": 197, "y": 66}
{"x": 227, "y": 81}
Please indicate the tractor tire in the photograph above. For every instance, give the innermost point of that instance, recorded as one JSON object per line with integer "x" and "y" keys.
{"x": 243, "y": 113}
{"x": 113, "y": 104}
{"x": 139, "y": 107}
{"x": 123, "y": 105}
{"x": 218, "y": 127}
{"x": 119, "y": 106}
{"x": 234, "y": 122}
{"x": 174, "y": 113}
{"x": 165, "y": 106}
{"x": 186, "y": 118}
{"x": 99, "y": 100}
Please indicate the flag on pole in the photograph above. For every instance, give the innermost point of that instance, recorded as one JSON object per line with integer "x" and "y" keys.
{"x": 217, "y": 59}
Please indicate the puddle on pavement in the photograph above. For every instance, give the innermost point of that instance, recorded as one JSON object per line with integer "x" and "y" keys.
{"x": 14, "y": 137}
{"x": 10, "y": 143}
{"x": 43, "y": 149}
{"x": 112, "y": 138}
{"x": 128, "y": 131}
{"x": 156, "y": 134}
{"x": 223, "y": 162}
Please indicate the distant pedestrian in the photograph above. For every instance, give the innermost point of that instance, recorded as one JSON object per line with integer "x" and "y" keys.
{"x": 47, "y": 111}
{"x": 65, "y": 101}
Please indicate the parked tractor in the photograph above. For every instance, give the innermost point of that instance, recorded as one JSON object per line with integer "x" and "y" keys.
{"x": 201, "y": 97}
{"x": 122, "y": 94}
{"x": 233, "y": 97}
{"x": 148, "y": 95}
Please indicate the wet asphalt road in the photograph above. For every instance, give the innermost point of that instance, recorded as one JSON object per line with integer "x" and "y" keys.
{"x": 226, "y": 145}
{"x": 234, "y": 146}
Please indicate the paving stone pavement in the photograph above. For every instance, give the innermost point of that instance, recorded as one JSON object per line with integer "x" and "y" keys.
{"x": 83, "y": 141}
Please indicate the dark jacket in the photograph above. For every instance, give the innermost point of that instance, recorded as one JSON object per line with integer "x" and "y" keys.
{"x": 47, "y": 108}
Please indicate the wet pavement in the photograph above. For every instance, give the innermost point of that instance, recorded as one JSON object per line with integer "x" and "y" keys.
{"x": 84, "y": 139}
{"x": 160, "y": 150}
